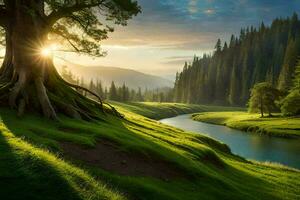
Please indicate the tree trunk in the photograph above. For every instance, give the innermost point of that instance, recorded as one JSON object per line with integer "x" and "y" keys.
{"x": 23, "y": 67}
{"x": 29, "y": 80}
{"x": 7, "y": 70}
{"x": 270, "y": 113}
{"x": 261, "y": 107}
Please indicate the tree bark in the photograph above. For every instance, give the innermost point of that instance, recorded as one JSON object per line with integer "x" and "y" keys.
{"x": 261, "y": 107}
{"x": 30, "y": 81}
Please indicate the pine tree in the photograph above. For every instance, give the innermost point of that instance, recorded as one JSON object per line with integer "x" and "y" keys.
{"x": 124, "y": 93}
{"x": 113, "y": 95}
{"x": 225, "y": 46}
{"x": 139, "y": 95}
{"x": 218, "y": 47}
{"x": 290, "y": 105}
{"x": 233, "y": 91}
{"x": 92, "y": 86}
{"x": 99, "y": 89}
{"x": 264, "y": 54}
{"x": 290, "y": 59}
{"x": 232, "y": 41}
{"x": 106, "y": 94}
{"x": 133, "y": 96}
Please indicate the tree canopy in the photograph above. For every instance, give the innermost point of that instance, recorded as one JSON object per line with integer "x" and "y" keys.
{"x": 290, "y": 105}
{"x": 262, "y": 98}
{"x": 28, "y": 78}
{"x": 78, "y": 24}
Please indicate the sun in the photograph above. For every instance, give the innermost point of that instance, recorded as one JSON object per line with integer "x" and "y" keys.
{"x": 48, "y": 51}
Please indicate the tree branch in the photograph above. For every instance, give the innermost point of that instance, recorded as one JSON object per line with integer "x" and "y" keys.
{"x": 66, "y": 38}
{"x": 66, "y": 11}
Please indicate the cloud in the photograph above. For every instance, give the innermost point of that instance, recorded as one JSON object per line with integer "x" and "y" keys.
{"x": 177, "y": 60}
{"x": 194, "y": 24}
{"x": 177, "y": 28}
{"x": 161, "y": 36}
{"x": 192, "y": 6}
{"x": 209, "y": 11}
{"x": 178, "y": 57}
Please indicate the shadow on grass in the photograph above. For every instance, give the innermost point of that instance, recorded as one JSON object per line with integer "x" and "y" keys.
{"x": 24, "y": 176}
{"x": 40, "y": 178}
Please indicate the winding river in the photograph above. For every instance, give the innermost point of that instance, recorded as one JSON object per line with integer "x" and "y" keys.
{"x": 251, "y": 146}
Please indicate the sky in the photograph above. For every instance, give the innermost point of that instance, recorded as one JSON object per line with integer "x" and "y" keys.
{"x": 169, "y": 32}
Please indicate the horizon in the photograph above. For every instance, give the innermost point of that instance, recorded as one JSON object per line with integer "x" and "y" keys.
{"x": 196, "y": 99}
{"x": 163, "y": 51}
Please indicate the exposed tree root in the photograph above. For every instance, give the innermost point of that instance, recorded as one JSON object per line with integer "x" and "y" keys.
{"x": 86, "y": 90}
{"x": 21, "y": 108}
{"x": 45, "y": 103}
{"x": 77, "y": 87}
{"x": 51, "y": 96}
{"x": 29, "y": 82}
{"x": 16, "y": 90}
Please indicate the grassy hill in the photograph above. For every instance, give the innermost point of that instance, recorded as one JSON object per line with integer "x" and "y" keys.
{"x": 134, "y": 158}
{"x": 276, "y": 126}
{"x": 157, "y": 111}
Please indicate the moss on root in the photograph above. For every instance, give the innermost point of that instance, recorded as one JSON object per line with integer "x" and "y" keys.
{"x": 46, "y": 92}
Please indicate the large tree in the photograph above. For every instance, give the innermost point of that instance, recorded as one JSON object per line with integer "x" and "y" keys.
{"x": 28, "y": 79}
{"x": 263, "y": 98}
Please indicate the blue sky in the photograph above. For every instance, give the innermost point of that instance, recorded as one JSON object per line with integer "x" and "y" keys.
{"x": 168, "y": 32}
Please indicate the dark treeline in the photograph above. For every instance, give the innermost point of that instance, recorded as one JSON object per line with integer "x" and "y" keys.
{"x": 124, "y": 94}
{"x": 264, "y": 54}
{"x": 120, "y": 93}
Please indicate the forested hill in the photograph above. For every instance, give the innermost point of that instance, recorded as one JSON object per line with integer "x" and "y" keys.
{"x": 133, "y": 79}
{"x": 257, "y": 55}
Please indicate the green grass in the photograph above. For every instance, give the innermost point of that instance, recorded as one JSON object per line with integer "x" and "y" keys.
{"x": 32, "y": 167}
{"x": 158, "y": 111}
{"x": 275, "y": 126}
{"x": 31, "y": 172}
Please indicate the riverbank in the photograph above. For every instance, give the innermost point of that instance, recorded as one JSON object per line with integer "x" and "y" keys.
{"x": 250, "y": 146}
{"x": 159, "y": 111}
{"x": 127, "y": 159}
{"x": 274, "y": 126}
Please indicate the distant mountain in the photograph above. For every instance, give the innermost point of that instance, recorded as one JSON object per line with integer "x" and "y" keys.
{"x": 133, "y": 79}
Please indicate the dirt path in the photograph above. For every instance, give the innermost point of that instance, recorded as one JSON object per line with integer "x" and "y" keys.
{"x": 108, "y": 156}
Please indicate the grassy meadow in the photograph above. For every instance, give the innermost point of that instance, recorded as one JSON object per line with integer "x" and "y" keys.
{"x": 275, "y": 126}
{"x": 64, "y": 160}
{"x": 158, "y": 111}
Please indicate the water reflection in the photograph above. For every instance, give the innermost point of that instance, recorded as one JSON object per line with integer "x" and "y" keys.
{"x": 252, "y": 146}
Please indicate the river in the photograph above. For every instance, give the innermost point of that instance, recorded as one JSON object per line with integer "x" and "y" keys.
{"x": 247, "y": 145}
